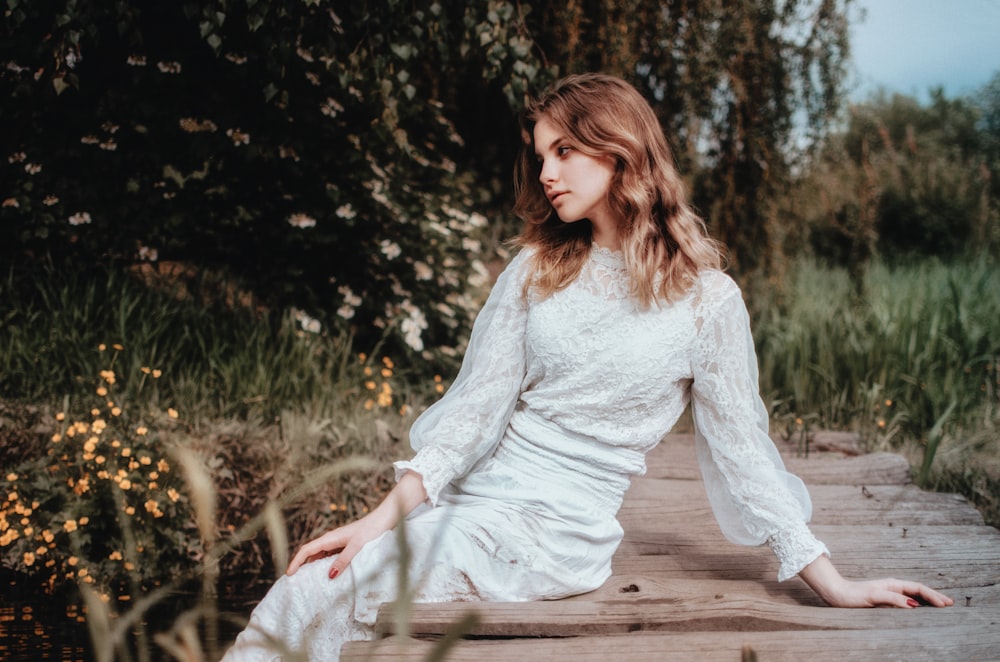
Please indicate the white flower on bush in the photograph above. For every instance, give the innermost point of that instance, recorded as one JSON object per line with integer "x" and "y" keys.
{"x": 423, "y": 271}
{"x": 80, "y": 218}
{"x": 301, "y": 221}
{"x": 390, "y": 249}
{"x": 147, "y": 253}
{"x": 330, "y": 107}
{"x": 310, "y": 324}
{"x": 351, "y": 301}
{"x": 471, "y": 245}
{"x": 169, "y": 67}
{"x": 32, "y": 168}
{"x": 412, "y": 326}
{"x": 480, "y": 275}
{"x": 346, "y": 211}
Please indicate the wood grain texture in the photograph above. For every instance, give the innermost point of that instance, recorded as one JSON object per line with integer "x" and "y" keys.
{"x": 680, "y": 591}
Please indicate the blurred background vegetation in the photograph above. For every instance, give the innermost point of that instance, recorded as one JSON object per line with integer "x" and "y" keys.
{"x": 293, "y": 209}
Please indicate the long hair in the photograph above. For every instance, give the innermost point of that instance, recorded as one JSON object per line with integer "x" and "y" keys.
{"x": 659, "y": 231}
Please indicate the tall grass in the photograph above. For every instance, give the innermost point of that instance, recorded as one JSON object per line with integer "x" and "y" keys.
{"x": 912, "y": 365}
{"x": 224, "y": 359}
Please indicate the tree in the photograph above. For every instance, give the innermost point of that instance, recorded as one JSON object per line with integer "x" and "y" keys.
{"x": 740, "y": 87}
{"x": 306, "y": 147}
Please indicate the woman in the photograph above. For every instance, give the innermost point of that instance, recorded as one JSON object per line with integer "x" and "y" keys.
{"x": 611, "y": 319}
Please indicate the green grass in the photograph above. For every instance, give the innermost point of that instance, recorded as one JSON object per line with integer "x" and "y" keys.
{"x": 913, "y": 365}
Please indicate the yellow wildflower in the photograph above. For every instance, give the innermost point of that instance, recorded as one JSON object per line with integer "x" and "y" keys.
{"x": 100, "y": 459}
{"x": 387, "y": 362}
{"x": 101, "y": 347}
{"x": 101, "y": 391}
{"x": 171, "y": 412}
{"x": 116, "y": 411}
{"x": 56, "y": 438}
{"x": 369, "y": 404}
{"x": 163, "y": 466}
{"x": 118, "y": 347}
{"x": 386, "y": 372}
{"x": 72, "y": 561}
{"x": 115, "y": 555}
{"x": 48, "y": 536}
{"x": 126, "y": 451}
{"x": 84, "y": 520}
{"x": 12, "y": 477}
{"x": 12, "y": 496}
{"x": 108, "y": 376}
{"x": 141, "y": 430}
{"x": 157, "y": 373}
{"x": 29, "y": 558}
{"x": 126, "y": 484}
{"x": 60, "y": 416}
{"x": 145, "y": 370}
{"x": 172, "y": 494}
{"x": 70, "y": 526}
{"x": 151, "y": 505}
{"x": 130, "y": 510}
{"x": 41, "y": 550}
{"x": 144, "y": 460}
{"x": 370, "y": 385}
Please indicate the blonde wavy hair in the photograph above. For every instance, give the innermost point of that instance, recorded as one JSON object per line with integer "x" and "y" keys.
{"x": 659, "y": 231}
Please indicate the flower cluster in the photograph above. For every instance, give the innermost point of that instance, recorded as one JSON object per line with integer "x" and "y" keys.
{"x": 103, "y": 506}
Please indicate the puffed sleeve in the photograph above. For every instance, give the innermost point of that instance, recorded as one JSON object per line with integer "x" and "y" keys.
{"x": 465, "y": 425}
{"x": 754, "y": 499}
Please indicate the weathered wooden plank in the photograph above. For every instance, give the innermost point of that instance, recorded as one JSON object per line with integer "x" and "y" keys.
{"x": 678, "y": 503}
{"x": 942, "y": 556}
{"x": 726, "y": 612}
{"x": 933, "y": 643}
{"x": 675, "y": 458}
{"x": 654, "y": 585}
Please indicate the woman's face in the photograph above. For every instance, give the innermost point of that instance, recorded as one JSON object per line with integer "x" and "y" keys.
{"x": 575, "y": 183}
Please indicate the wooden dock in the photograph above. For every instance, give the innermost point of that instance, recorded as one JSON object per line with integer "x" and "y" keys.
{"x": 680, "y": 591}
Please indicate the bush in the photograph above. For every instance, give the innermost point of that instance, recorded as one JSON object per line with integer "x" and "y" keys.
{"x": 103, "y": 505}
{"x": 307, "y": 150}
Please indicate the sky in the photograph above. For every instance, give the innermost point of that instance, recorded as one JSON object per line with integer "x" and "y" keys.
{"x": 909, "y": 46}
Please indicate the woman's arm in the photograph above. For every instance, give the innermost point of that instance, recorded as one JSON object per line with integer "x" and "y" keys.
{"x": 836, "y": 591}
{"x": 349, "y": 539}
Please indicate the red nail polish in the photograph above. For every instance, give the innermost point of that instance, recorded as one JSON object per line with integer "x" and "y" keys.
{"x": 911, "y": 602}
{"x": 334, "y": 572}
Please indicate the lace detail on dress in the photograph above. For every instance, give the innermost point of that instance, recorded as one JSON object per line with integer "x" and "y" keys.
{"x": 795, "y": 547}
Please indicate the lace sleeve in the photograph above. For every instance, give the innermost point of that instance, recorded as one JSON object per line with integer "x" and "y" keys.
{"x": 754, "y": 499}
{"x": 466, "y": 424}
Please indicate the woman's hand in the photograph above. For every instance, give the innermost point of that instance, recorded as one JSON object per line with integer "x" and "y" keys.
{"x": 349, "y": 539}
{"x": 836, "y": 591}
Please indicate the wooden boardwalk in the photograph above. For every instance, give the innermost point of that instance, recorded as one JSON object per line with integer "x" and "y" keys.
{"x": 680, "y": 591}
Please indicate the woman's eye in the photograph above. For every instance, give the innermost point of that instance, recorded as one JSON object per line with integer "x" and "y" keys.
{"x": 564, "y": 150}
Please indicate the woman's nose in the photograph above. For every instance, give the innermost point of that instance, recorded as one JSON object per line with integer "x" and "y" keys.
{"x": 547, "y": 172}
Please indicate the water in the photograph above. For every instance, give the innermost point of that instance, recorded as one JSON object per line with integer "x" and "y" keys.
{"x": 36, "y": 627}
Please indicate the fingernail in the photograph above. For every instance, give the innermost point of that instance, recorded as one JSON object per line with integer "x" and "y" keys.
{"x": 911, "y": 602}
{"x": 334, "y": 572}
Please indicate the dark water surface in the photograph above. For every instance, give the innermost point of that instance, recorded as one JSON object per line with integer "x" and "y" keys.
{"x": 35, "y": 626}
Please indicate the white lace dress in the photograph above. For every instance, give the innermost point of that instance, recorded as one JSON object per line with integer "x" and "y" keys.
{"x": 526, "y": 458}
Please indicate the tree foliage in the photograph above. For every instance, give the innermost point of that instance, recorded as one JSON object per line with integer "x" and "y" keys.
{"x": 903, "y": 180}
{"x": 740, "y": 87}
{"x": 342, "y": 157}
{"x": 307, "y": 147}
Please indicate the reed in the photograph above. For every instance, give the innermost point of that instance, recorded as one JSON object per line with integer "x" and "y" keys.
{"x": 913, "y": 365}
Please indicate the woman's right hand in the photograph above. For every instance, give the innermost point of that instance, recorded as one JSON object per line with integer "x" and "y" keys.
{"x": 349, "y": 539}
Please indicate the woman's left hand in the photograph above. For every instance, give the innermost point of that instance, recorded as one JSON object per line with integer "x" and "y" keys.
{"x": 836, "y": 591}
